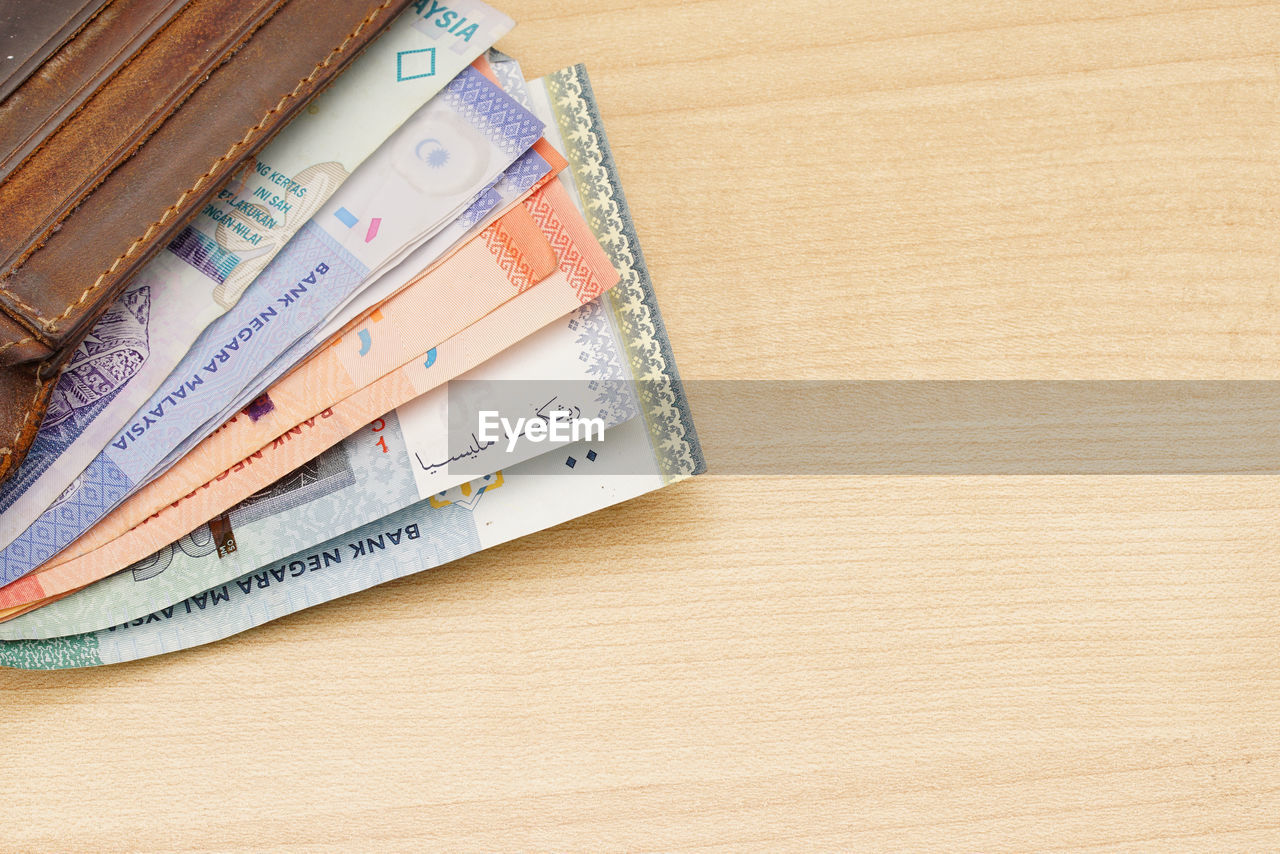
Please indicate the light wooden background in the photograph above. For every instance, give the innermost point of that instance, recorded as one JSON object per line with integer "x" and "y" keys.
{"x": 843, "y": 189}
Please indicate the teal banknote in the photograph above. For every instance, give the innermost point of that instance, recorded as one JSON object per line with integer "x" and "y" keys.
{"x": 657, "y": 447}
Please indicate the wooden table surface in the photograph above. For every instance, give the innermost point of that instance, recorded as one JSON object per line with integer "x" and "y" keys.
{"x": 825, "y": 189}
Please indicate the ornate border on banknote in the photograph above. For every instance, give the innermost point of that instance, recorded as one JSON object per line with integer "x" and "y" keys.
{"x": 665, "y": 408}
{"x": 602, "y": 353}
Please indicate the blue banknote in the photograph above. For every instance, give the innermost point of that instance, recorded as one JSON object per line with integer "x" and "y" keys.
{"x": 485, "y": 512}
{"x": 516, "y": 180}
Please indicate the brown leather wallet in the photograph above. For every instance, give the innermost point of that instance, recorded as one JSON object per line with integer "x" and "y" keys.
{"x": 118, "y": 119}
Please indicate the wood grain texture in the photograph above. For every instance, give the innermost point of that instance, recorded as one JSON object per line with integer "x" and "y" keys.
{"x": 854, "y": 189}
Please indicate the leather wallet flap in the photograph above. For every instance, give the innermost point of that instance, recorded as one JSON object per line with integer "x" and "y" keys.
{"x": 34, "y": 108}
{"x": 117, "y": 118}
{"x": 111, "y": 184}
{"x": 33, "y": 31}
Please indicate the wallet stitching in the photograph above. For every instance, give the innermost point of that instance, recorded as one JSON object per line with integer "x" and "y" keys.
{"x": 24, "y": 306}
{"x": 325, "y": 63}
{"x": 50, "y": 325}
{"x": 17, "y": 343}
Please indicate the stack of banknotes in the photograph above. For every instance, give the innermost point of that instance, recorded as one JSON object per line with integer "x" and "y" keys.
{"x": 271, "y": 416}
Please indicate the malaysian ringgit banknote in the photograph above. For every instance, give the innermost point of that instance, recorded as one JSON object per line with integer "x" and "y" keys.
{"x": 472, "y": 127}
{"x": 356, "y": 369}
{"x": 528, "y": 170}
{"x": 574, "y": 366}
{"x": 647, "y": 452}
{"x": 535, "y": 167}
{"x": 528, "y": 173}
{"x": 542, "y": 240}
{"x": 144, "y": 334}
{"x": 505, "y": 71}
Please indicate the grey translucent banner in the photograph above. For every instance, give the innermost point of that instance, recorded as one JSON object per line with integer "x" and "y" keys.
{"x": 966, "y": 427}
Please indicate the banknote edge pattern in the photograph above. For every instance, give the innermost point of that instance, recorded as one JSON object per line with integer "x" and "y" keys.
{"x": 668, "y": 420}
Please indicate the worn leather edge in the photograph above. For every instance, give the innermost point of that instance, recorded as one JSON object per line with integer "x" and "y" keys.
{"x": 44, "y": 385}
{"x": 31, "y": 420}
{"x": 154, "y": 121}
{"x": 81, "y": 94}
{"x": 88, "y": 10}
